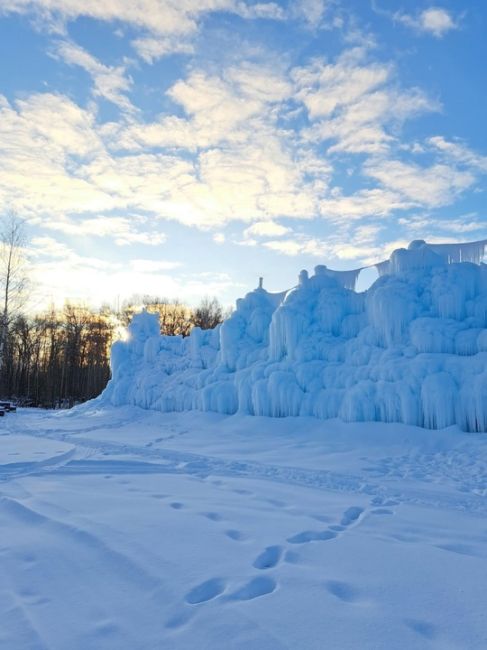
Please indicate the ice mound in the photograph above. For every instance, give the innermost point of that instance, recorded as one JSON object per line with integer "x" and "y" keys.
{"x": 412, "y": 348}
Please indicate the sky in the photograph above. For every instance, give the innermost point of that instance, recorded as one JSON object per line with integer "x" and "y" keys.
{"x": 183, "y": 148}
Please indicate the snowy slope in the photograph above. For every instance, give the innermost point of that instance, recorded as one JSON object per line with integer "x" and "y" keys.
{"x": 195, "y": 530}
{"x": 411, "y": 349}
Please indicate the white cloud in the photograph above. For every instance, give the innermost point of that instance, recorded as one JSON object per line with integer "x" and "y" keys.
{"x": 363, "y": 126}
{"x": 152, "y": 48}
{"x": 48, "y": 247}
{"x": 463, "y": 224}
{"x": 154, "y": 18}
{"x": 266, "y": 229}
{"x": 246, "y": 166}
{"x": 325, "y": 87}
{"x": 356, "y": 104}
{"x": 362, "y": 248}
{"x": 433, "y": 186}
{"x": 52, "y": 169}
{"x": 123, "y": 230}
{"x": 268, "y": 10}
{"x": 226, "y": 156}
{"x": 70, "y": 275}
{"x": 435, "y": 21}
{"x": 220, "y": 109}
{"x": 286, "y": 246}
{"x": 39, "y": 155}
{"x": 376, "y": 202}
{"x": 312, "y": 11}
{"x": 110, "y": 82}
{"x": 423, "y": 224}
{"x": 459, "y": 152}
{"x": 153, "y": 266}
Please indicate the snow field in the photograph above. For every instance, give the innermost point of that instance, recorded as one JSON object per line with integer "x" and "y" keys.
{"x": 199, "y": 530}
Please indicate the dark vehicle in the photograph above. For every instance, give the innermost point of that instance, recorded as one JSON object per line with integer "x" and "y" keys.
{"x": 7, "y": 406}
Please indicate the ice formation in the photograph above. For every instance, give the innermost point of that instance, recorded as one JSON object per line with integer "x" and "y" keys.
{"x": 412, "y": 348}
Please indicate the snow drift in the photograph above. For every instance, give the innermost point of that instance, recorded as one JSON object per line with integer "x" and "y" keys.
{"x": 412, "y": 348}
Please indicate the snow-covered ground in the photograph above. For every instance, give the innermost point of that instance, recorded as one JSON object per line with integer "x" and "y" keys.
{"x": 133, "y": 530}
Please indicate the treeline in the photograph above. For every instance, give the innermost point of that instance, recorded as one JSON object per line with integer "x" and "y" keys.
{"x": 61, "y": 357}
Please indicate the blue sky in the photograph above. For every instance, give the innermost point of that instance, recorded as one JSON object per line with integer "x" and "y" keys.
{"x": 184, "y": 148}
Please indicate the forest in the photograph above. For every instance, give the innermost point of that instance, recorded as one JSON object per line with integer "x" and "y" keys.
{"x": 61, "y": 357}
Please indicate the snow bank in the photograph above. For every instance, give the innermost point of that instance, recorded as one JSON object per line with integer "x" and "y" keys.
{"x": 412, "y": 348}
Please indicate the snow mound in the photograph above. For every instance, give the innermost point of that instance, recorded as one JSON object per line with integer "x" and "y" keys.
{"x": 411, "y": 349}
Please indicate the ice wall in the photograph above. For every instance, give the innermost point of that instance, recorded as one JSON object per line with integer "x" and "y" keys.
{"x": 412, "y": 348}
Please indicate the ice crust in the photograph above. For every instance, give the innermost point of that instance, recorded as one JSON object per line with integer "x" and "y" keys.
{"x": 412, "y": 348}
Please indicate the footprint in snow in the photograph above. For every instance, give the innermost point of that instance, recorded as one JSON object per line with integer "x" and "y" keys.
{"x": 342, "y": 590}
{"x": 351, "y": 515}
{"x": 107, "y": 628}
{"x": 213, "y": 516}
{"x": 379, "y": 501}
{"x": 460, "y": 549}
{"x": 31, "y": 597}
{"x": 269, "y": 558}
{"x": 205, "y": 591}
{"x": 176, "y": 505}
{"x": 311, "y": 536}
{"x": 291, "y": 557}
{"x": 236, "y": 535}
{"x": 422, "y": 628}
{"x": 323, "y": 518}
{"x": 178, "y": 620}
{"x": 277, "y": 503}
{"x": 257, "y": 587}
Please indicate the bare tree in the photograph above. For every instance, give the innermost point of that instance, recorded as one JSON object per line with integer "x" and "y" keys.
{"x": 13, "y": 275}
{"x": 175, "y": 318}
{"x": 208, "y": 314}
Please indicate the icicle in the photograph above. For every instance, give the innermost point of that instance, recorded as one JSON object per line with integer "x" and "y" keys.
{"x": 382, "y": 268}
{"x": 467, "y": 252}
{"x": 411, "y": 348}
{"x": 346, "y": 279}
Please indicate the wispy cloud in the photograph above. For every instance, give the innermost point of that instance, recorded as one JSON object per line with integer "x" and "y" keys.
{"x": 57, "y": 266}
{"x": 123, "y": 231}
{"x": 227, "y": 157}
{"x": 256, "y": 140}
{"x": 361, "y": 249}
{"x": 436, "y": 21}
{"x": 356, "y": 104}
{"x": 266, "y": 229}
{"x": 164, "y": 27}
{"x": 432, "y": 186}
{"x": 459, "y": 152}
{"x": 311, "y": 11}
{"x": 110, "y": 82}
{"x": 151, "y": 48}
{"x": 377, "y": 202}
